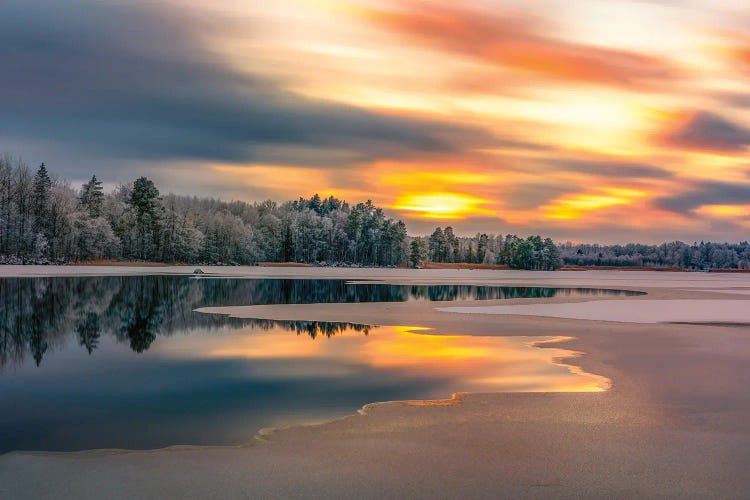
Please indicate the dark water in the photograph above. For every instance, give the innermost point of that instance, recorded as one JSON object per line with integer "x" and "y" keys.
{"x": 97, "y": 362}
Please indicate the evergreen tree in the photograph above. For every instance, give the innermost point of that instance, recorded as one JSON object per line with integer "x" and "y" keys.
{"x": 453, "y": 245}
{"x": 482, "y": 244}
{"x": 418, "y": 253}
{"x": 42, "y": 185}
{"x": 437, "y": 246}
{"x": 92, "y": 197}
{"x": 144, "y": 200}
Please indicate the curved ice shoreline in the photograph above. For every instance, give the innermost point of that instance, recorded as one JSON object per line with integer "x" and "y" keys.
{"x": 627, "y": 311}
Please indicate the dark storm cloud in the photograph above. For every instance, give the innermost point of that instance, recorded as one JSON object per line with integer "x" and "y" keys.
{"x": 710, "y": 132}
{"x": 710, "y": 193}
{"x": 611, "y": 169}
{"x": 128, "y": 81}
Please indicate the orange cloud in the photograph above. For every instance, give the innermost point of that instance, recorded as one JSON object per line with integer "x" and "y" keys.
{"x": 517, "y": 42}
{"x": 724, "y": 211}
{"x": 442, "y": 205}
{"x": 578, "y": 205}
{"x": 288, "y": 182}
{"x": 743, "y": 55}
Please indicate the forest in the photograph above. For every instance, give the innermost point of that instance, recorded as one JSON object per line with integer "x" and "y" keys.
{"x": 675, "y": 254}
{"x": 44, "y": 220}
{"x": 444, "y": 246}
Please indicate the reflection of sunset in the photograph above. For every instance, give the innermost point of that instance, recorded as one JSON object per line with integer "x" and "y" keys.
{"x": 463, "y": 362}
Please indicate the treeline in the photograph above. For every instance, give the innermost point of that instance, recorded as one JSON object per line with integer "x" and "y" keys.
{"x": 676, "y": 254}
{"x": 443, "y": 245}
{"x": 45, "y": 220}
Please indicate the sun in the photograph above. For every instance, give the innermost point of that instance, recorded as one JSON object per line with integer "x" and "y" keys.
{"x": 441, "y": 205}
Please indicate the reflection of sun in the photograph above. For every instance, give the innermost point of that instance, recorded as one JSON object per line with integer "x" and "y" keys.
{"x": 474, "y": 363}
{"x": 441, "y": 205}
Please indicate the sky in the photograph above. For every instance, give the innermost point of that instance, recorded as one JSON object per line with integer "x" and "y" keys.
{"x": 593, "y": 120}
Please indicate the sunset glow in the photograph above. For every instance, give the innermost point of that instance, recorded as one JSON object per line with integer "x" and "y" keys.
{"x": 480, "y": 363}
{"x": 577, "y": 206}
{"x": 496, "y": 116}
{"x": 441, "y": 205}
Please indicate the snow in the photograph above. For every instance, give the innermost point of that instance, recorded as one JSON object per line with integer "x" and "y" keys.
{"x": 627, "y": 311}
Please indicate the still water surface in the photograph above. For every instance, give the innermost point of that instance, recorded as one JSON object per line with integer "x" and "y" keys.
{"x": 125, "y": 362}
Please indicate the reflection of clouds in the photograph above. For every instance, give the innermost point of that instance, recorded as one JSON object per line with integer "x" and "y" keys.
{"x": 469, "y": 363}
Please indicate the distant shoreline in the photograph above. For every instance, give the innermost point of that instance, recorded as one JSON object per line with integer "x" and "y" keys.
{"x": 429, "y": 265}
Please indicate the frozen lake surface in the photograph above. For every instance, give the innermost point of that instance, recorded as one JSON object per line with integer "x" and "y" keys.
{"x": 125, "y": 362}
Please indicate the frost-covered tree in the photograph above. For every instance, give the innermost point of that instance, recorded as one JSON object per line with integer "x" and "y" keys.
{"x": 417, "y": 253}
{"x": 43, "y": 219}
{"x": 92, "y": 197}
{"x": 144, "y": 202}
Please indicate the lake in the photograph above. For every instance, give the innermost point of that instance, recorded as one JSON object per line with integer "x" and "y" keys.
{"x": 125, "y": 362}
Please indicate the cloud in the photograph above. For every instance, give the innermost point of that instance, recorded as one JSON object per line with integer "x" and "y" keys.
{"x": 742, "y": 55}
{"x": 708, "y": 193}
{"x": 520, "y": 42}
{"x": 707, "y": 131}
{"x": 735, "y": 99}
{"x": 612, "y": 169}
{"x": 125, "y": 80}
{"x": 535, "y": 194}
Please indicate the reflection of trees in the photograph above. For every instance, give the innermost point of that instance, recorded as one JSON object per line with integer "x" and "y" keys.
{"x": 311, "y": 328}
{"x": 37, "y": 314}
{"x": 88, "y": 331}
{"x": 472, "y": 292}
{"x": 139, "y": 310}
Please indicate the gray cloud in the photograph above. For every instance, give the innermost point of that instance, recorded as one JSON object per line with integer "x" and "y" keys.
{"x": 118, "y": 80}
{"x": 736, "y": 99}
{"x": 535, "y": 194}
{"x": 708, "y": 131}
{"x": 709, "y": 193}
{"x": 613, "y": 169}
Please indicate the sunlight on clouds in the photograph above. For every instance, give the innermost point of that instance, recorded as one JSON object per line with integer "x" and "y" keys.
{"x": 578, "y": 205}
{"x": 552, "y": 80}
{"x": 441, "y": 205}
{"x": 286, "y": 182}
{"x": 276, "y": 176}
{"x": 724, "y": 211}
{"x": 402, "y": 176}
{"x": 710, "y": 166}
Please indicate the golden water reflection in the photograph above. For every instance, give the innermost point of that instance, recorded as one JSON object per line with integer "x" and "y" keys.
{"x": 458, "y": 363}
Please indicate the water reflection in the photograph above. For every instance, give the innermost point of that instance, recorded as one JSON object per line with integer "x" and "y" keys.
{"x": 70, "y": 379}
{"x": 479, "y": 363}
{"x": 220, "y": 386}
{"x": 38, "y": 314}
